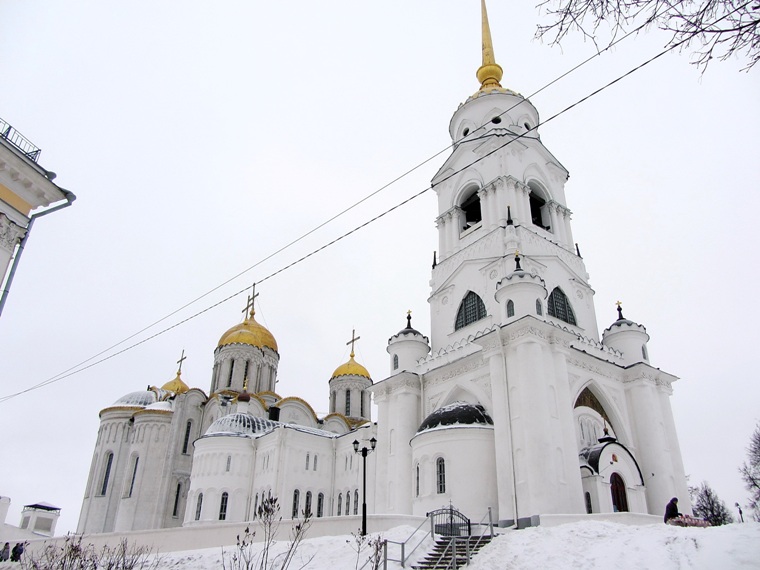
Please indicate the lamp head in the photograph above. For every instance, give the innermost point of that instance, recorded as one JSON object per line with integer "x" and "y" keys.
{"x": 356, "y": 446}
{"x": 373, "y": 442}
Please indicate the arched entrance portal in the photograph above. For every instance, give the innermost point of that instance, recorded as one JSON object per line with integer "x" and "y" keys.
{"x": 619, "y": 497}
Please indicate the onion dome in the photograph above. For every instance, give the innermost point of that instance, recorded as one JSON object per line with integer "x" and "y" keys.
{"x": 458, "y": 413}
{"x": 177, "y": 385}
{"x": 240, "y": 424}
{"x": 351, "y": 368}
{"x": 249, "y": 332}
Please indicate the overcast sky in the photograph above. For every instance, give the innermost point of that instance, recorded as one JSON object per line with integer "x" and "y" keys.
{"x": 201, "y": 137}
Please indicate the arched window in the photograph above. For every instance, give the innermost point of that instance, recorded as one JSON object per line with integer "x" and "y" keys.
{"x": 296, "y": 499}
{"x": 348, "y": 503}
{"x": 440, "y": 475}
{"x": 232, "y": 369}
{"x": 619, "y": 496}
{"x": 308, "y": 460}
{"x": 510, "y": 308}
{"x": 417, "y": 481}
{"x": 361, "y": 401}
{"x": 134, "y": 476}
{"x": 644, "y": 352}
{"x": 559, "y": 307}
{"x": 395, "y": 361}
{"x": 471, "y": 211}
{"x": 340, "y": 503}
{"x": 223, "y": 507}
{"x": 587, "y": 496}
{"x": 177, "y": 495}
{"x": 307, "y": 508}
{"x": 186, "y": 441}
{"x": 320, "y": 504}
{"x": 539, "y": 308}
{"x": 256, "y": 506}
{"x": 348, "y": 403}
{"x": 356, "y": 501}
{"x": 106, "y": 474}
{"x": 471, "y": 309}
{"x": 539, "y": 211}
{"x": 229, "y": 463}
{"x": 198, "y": 507}
{"x": 245, "y": 370}
{"x": 315, "y": 462}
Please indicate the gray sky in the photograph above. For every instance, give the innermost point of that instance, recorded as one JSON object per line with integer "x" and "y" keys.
{"x": 201, "y": 137}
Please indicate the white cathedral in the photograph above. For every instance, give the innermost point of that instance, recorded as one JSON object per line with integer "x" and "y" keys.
{"x": 514, "y": 403}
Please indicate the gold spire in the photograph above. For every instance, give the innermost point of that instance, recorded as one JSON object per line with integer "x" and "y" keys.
{"x": 489, "y": 74}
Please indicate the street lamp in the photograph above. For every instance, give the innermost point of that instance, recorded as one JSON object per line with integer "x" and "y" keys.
{"x": 364, "y": 451}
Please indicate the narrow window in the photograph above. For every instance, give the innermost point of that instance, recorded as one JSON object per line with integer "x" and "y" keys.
{"x": 320, "y": 504}
{"x": 186, "y": 441}
{"x": 395, "y": 361}
{"x": 644, "y": 352}
{"x": 348, "y": 403}
{"x": 296, "y": 499}
{"x": 536, "y": 210}
{"x": 198, "y": 507}
{"x": 348, "y": 503}
{"x": 471, "y": 209}
{"x": 256, "y": 505}
{"x": 332, "y": 401}
{"x": 229, "y": 377}
{"x": 588, "y": 503}
{"x": 245, "y": 370}
{"x": 440, "y": 471}
{"x": 308, "y": 461}
{"x": 229, "y": 463}
{"x": 559, "y": 306}
{"x": 417, "y": 481}
{"x": 134, "y": 475}
{"x": 315, "y": 462}
{"x": 177, "y": 493}
{"x": 340, "y": 502}
{"x": 361, "y": 400}
{"x": 510, "y": 309}
{"x": 539, "y": 309}
{"x": 356, "y": 501}
{"x": 307, "y": 510}
{"x": 471, "y": 309}
{"x": 223, "y": 507}
{"x": 106, "y": 474}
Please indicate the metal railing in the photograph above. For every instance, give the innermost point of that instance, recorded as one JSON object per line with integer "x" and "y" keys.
{"x": 404, "y": 555}
{"x": 23, "y": 144}
{"x": 460, "y": 547}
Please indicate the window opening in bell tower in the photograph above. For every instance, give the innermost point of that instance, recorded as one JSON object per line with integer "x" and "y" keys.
{"x": 471, "y": 211}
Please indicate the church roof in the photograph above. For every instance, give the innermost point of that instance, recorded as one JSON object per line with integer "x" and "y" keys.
{"x": 137, "y": 399}
{"x": 249, "y": 332}
{"x": 240, "y": 424}
{"x": 351, "y": 368}
{"x": 458, "y": 413}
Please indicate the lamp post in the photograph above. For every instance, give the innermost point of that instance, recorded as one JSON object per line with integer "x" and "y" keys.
{"x": 364, "y": 451}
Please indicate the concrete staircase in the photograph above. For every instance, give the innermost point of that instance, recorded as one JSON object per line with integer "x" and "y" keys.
{"x": 452, "y": 552}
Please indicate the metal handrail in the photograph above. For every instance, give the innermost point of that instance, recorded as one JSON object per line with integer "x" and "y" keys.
{"x": 404, "y": 557}
{"x": 27, "y": 148}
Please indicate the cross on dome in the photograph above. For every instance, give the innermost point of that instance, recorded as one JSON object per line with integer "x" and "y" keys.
{"x": 251, "y": 299}
{"x": 354, "y": 338}
{"x": 180, "y": 361}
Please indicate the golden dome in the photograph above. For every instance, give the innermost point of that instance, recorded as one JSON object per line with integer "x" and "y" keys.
{"x": 351, "y": 368}
{"x": 177, "y": 385}
{"x": 249, "y": 332}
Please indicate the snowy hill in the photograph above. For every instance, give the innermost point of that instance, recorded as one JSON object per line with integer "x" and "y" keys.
{"x": 588, "y": 545}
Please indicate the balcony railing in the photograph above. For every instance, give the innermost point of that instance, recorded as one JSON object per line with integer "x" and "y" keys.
{"x": 27, "y": 148}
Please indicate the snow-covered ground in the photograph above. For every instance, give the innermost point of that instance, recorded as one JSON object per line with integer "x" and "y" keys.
{"x": 587, "y": 545}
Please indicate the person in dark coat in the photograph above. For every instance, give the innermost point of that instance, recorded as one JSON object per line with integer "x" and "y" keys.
{"x": 671, "y": 511}
{"x": 17, "y": 551}
{"x": 5, "y": 552}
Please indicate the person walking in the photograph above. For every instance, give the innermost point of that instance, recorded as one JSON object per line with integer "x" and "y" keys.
{"x": 671, "y": 511}
{"x": 5, "y": 552}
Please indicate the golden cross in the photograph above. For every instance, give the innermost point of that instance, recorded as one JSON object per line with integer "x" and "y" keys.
{"x": 354, "y": 338}
{"x": 619, "y": 304}
{"x": 181, "y": 360}
{"x": 251, "y": 299}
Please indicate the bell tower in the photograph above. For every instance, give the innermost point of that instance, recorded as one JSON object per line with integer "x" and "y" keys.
{"x": 502, "y": 191}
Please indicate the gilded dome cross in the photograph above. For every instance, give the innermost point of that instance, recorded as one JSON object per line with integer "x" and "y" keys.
{"x": 180, "y": 361}
{"x": 251, "y": 298}
{"x": 354, "y": 338}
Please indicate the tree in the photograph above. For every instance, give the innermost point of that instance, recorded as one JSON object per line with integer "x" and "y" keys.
{"x": 716, "y": 29}
{"x": 750, "y": 472}
{"x": 707, "y": 505}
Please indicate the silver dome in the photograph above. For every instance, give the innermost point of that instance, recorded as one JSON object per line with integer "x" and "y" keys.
{"x": 240, "y": 423}
{"x": 137, "y": 399}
